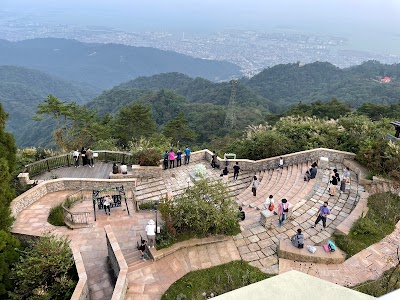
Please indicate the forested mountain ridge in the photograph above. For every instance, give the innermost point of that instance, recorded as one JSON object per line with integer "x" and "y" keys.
{"x": 106, "y": 65}
{"x": 291, "y": 83}
{"x": 197, "y": 90}
{"x": 22, "y": 89}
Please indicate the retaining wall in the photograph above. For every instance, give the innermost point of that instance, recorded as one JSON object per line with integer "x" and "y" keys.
{"x": 118, "y": 264}
{"x": 65, "y": 184}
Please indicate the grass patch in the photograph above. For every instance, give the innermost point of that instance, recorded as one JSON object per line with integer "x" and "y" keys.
{"x": 388, "y": 282}
{"x": 56, "y": 216}
{"x": 217, "y": 280}
{"x": 380, "y": 221}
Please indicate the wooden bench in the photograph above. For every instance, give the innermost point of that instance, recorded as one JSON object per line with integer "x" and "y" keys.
{"x": 288, "y": 251}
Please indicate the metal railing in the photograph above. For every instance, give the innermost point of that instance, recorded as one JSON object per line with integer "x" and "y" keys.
{"x": 75, "y": 218}
{"x": 66, "y": 160}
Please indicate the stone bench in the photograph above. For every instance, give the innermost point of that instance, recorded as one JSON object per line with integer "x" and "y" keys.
{"x": 288, "y": 251}
{"x": 359, "y": 211}
{"x": 266, "y": 216}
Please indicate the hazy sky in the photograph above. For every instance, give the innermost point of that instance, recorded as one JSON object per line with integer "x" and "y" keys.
{"x": 362, "y": 19}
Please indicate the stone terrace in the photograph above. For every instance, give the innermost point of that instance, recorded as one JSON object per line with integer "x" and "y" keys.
{"x": 255, "y": 244}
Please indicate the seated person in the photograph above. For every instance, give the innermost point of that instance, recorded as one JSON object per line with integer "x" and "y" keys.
{"x": 313, "y": 172}
{"x": 224, "y": 172}
{"x": 142, "y": 249}
{"x": 241, "y": 214}
{"x": 124, "y": 169}
{"x": 106, "y": 204}
{"x": 307, "y": 176}
{"x": 298, "y": 239}
{"x": 115, "y": 169}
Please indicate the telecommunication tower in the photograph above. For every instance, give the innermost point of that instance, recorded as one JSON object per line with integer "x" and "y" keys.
{"x": 230, "y": 119}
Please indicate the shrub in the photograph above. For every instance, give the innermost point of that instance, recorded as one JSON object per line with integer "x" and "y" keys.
{"x": 56, "y": 216}
{"x": 45, "y": 270}
{"x": 216, "y": 280}
{"x": 203, "y": 209}
{"x": 8, "y": 256}
{"x": 146, "y": 206}
{"x": 148, "y": 157}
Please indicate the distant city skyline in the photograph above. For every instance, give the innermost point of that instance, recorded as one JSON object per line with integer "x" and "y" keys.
{"x": 370, "y": 25}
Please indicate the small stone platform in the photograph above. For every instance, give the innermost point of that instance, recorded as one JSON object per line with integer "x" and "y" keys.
{"x": 288, "y": 251}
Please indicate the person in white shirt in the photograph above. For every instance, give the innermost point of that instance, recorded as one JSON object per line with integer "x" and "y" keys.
{"x": 106, "y": 204}
{"x": 269, "y": 203}
{"x": 280, "y": 166}
{"x": 124, "y": 169}
{"x": 75, "y": 154}
{"x": 151, "y": 233}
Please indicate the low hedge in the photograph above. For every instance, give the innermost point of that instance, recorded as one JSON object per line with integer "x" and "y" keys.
{"x": 56, "y": 216}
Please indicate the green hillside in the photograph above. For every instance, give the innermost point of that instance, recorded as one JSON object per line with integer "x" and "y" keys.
{"x": 106, "y": 65}
{"x": 291, "y": 83}
{"x": 197, "y": 89}
{"x": 21, "y": 90}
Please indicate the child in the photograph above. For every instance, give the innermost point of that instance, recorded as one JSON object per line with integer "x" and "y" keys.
{"x": 142, "y": 249}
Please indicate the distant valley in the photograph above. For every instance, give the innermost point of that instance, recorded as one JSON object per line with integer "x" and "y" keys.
{"x": 106, "y": 65}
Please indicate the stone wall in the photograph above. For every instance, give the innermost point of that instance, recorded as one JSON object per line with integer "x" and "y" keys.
{"x": 65, "y": 184}
{"x": 81, "y": 291}
{"x": 145, "y": 172}
{"x": 118, "y": 264}
{"x": 288, "y": 159}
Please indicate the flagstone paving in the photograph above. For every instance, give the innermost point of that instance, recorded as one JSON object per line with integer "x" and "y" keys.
{"x": 255, "y": 244}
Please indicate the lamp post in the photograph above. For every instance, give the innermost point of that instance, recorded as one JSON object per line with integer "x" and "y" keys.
{"x": 155, "y": 209}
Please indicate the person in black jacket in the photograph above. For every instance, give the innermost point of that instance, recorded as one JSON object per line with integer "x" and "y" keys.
{"x": 333, "y": 187}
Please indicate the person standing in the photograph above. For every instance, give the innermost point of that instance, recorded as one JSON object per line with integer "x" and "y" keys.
{"x": 322, "y": 213}
{"x": 84, "y": 158}
{"x": 187, "y": 155}
{"x": 280, "y": 166}
{"x": 89, "y": 155}
{"x": 179, "y": 158}
{"x": 214, "y": 160}
{"x": 165, "y": 160}
{"x": 254, "y": 185}
{"x": 334, "y": 183}
{"x": 236, "y": 169}
{"x": 283, "y": 210}
{"x": 171, "y": 159}
{"x": 75, "y": 155}
{"x": 345, "y": 179}
{"x": 151, "y": 233}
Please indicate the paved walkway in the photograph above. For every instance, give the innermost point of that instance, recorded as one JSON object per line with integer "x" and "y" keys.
{"x": 91, "y": 241}
{"x": 254, "y": 244}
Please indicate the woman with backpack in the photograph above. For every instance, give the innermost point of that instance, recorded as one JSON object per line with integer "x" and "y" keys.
{"x": 269, "y": 203}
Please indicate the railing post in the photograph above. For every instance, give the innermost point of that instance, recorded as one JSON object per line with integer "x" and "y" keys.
{"x": 48, "y": 166}
{"x": 68, "y": 164}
